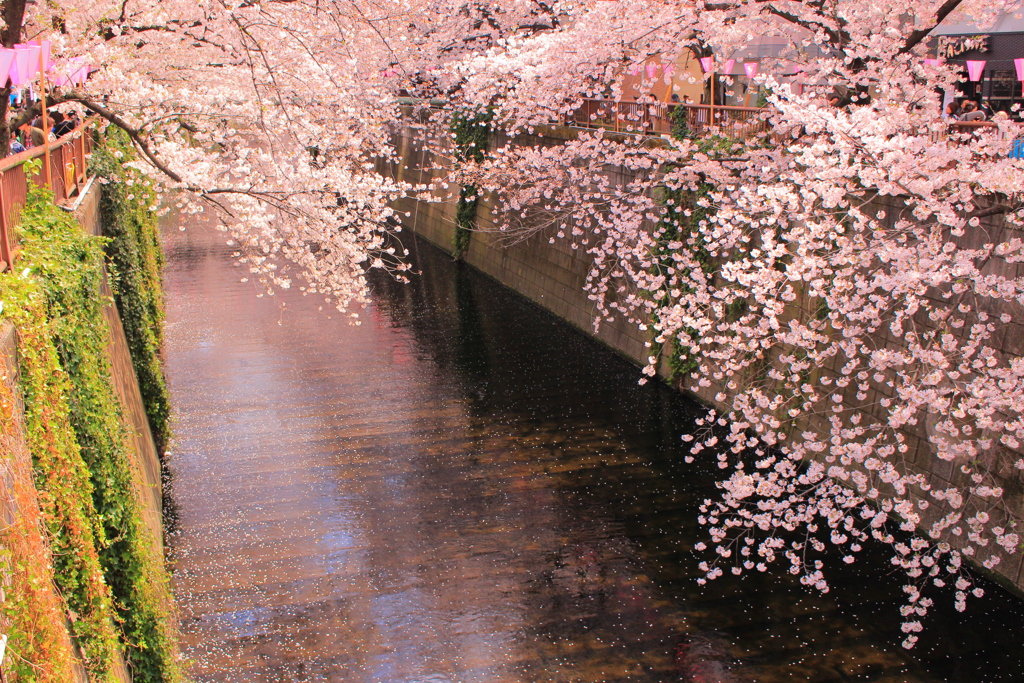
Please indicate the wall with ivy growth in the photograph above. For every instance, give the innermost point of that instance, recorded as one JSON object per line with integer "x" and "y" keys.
{"x": 135, "y": 264}
{"x": 107, "y": 568}
{"x": 686, "y": 209}
{"x": 470, "y": 131}
{"x": 31, "y": 613}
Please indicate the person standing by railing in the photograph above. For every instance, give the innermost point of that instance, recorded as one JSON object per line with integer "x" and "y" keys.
{"x": 971, "y": 112}
{"x": 61, "y": 124}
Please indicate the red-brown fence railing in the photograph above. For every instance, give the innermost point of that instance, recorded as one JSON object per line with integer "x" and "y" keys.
{"x": 68, "y": 159}
{"x": 656, "y": 118}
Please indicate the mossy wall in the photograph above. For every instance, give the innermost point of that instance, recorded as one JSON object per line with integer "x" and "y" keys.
{"x": 89, "y": 431}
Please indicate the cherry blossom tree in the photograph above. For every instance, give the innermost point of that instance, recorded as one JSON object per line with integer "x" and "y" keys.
{"x": 836, "y": 286}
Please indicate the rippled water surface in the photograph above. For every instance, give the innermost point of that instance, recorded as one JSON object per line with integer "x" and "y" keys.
{"x": 464, "y": 490}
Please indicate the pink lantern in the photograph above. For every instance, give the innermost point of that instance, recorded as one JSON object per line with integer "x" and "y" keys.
{"x": 975, "y": 68}
{"x": 6, "y": 60}
{"x": 651, "y": 70}
{"x": 81, "y": 75}
{"x": 634, "y": 70}
{"x": 44, "y": 45}
{"x": 670, "y": 69}
{"x": 24, "y": 59}
{"x": 34, "y": 47}
{"x": 729, "y": 64}
{"x": 750, "y": 68}
{"x": 12, "y": 73}
{"x": 706, "y": 63}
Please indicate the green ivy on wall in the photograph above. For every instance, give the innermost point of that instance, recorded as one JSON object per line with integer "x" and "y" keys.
{"x": 135, "y": 265}
{"x": 471, "y": 131}
{"x": 106, "y": 566}
{"x": 31, "y": 612}
{"x": 686, "y": 210}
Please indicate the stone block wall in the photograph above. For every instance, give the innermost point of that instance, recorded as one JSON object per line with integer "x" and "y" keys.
{"x": 145, "y": 461}
{"x": 552, "y": 275}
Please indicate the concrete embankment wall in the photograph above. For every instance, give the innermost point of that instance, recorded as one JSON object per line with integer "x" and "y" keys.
{"x": 145, "y": 460}
{"x": 18, "y": 502}
{"x": 552, "y": 275}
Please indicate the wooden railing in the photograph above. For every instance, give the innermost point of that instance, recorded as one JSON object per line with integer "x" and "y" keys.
{"x": 656, "y": 118}
{"x": 68, "y": 158}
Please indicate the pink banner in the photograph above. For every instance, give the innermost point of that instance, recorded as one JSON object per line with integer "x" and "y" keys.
{"x": 25, "y": 58}
{"x": 750, "y": 68}
{"x": 706, "y": 63}
{"x": 975, "y": 68}
{"x": 670, "y": 69}
{"x": 81, "y": 75}
{"x": 1019, "y": 63}
{"x": 634, "y": 70}
{"x": 729, "y": 64}
{"x": 44, "y": 45}
{"x": 651, "y": 70}
{"x": 932, "y": 62}
{"x": 6, "y": 59}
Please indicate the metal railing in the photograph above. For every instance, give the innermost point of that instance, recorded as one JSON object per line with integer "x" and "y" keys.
{"x": 657, "y": 118}
{"x": 68, "y": 158}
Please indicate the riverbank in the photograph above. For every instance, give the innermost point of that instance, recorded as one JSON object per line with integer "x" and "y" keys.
{"x": 553, "y": 273}
{"x": 84, "y": 545}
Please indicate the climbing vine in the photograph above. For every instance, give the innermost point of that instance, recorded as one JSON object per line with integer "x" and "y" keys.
{"x": 106, "y": 566}
{"x": 135, "y": 263}
{"x": 471, "y": 131}
{"x": 30, "y": 612}
{"x": 686, "y": 210}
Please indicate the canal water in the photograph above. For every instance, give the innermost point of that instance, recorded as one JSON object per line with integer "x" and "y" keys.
{"x": 465, "y": 490}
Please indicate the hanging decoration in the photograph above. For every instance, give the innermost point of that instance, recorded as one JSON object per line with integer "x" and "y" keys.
{"x": 24, "y": 59}
{"x": 975, "y": 67}
{"x": 6, "y": 62}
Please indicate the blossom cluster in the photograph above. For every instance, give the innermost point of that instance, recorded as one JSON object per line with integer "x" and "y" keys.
{"x": 842, "y": 281}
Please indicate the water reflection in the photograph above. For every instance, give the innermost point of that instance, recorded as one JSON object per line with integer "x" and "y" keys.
{"x": 465, "y": 490}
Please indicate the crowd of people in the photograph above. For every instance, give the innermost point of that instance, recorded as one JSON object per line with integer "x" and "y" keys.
{"x": 32, "y": 135}
{"x": 970, "y": 110}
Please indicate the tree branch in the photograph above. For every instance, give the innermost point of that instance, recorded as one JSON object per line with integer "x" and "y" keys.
{"x": 123, "y": 125}
{"x": 917, "y": 36}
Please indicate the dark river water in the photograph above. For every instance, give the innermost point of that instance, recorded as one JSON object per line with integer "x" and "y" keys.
{"x": 465, "y": 490}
